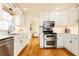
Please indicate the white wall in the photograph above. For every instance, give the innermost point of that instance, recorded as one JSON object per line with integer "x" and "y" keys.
{"x": 35, "y": 26}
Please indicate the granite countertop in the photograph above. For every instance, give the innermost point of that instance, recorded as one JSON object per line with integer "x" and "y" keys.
{"x": 4, "y": 35}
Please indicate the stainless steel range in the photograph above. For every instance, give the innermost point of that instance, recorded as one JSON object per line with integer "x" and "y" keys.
{"x": 49, "y": 37}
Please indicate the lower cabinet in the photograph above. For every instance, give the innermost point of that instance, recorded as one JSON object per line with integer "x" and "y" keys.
{"x": 71, "y": 44}
{"x": 60, "y": 41}
{"x": 17, "y": 47}
{"x": 20, "y": 42}
{"x": 41, "y": 37}
{"x": 68, "y": 41}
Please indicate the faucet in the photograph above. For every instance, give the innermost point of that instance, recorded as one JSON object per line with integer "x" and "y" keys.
{"x": 10, "y": 29}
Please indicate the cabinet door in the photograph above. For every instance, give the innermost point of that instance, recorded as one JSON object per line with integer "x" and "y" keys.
{"x": 64, "y": 18}
{"x": 60, "y": 43}
{"x": 68, "y": 43}
{"x": 46, "y": 16}
{"x": 17, "y": 47}
{"x": 75, "y": 45}
{"x": 71, "y": 44}
{"x": 19, "y": 44}
{"x": 73, "y": 16}
{"x": 61, "y": 18}
{"x": 0, "y": 15}
{"x": 58, "y": 19}
{"x": 23, "y": 41}
{"x": 0, "y": 11}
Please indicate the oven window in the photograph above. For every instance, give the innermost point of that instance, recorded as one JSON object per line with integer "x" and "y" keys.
{"x": 50, "y": 42}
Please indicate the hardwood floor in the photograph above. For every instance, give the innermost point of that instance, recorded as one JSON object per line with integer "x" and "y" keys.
{"x": 33, "y": 50}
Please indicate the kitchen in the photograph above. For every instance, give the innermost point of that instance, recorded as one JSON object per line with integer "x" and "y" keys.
{"x": 52, "y": 26}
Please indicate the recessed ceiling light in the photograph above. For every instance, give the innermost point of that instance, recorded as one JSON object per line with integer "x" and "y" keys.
{"x": 57, "y": 8}
{"x": 25, "y": 8}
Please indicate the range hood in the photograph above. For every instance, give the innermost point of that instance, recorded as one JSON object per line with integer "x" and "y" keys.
{"x": 11, "y": 8}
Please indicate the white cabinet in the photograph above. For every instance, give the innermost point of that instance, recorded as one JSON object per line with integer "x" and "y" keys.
{"x": 24, "y": 41}
{"x": 61, "y": 19}
{"x": 20, "y": 41}
{"x": 68, "y": 42}
{"x": 73, "y": 16}
{"x": 58, "y": 19}
{"x": 60, "y": 41}
{"x": 71, "y": 44}
{"x": 17, "y": 47}
{"x": 64, "y": 18}
{"x": 46, "y": 16}
{"x": 0, "y": 11}
{"x": 41, "y": 37}
{"x": 0, "y": 15}
{"x": 75, "y": 45}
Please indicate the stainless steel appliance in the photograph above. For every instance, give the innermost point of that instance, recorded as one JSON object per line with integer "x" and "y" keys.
{"x": 7, "y": 46}
{"x": 48, "y": 24}
{"x": 49, "y": 36}
{"x": 50, "y": 40}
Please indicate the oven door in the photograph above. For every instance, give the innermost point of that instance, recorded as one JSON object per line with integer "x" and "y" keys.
{"x": 50, "y": 43}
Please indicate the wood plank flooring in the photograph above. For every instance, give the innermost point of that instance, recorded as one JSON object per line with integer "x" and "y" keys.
{"x": 33, "y": 50}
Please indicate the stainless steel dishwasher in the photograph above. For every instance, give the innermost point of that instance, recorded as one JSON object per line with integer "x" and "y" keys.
{"x": 7, "y": 46}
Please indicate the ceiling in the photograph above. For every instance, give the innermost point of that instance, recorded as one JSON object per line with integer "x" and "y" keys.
{"x": 39, "y": 7}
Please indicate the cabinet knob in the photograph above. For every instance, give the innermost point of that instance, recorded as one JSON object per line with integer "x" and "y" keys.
{"x": 21, "y": 41}
{"x": 70, "y": 41}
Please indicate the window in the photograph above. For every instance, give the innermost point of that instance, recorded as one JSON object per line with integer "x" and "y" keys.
{"x": 6, "y": 20}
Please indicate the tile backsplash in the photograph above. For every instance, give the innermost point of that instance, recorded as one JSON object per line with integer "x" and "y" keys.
{"x": 59, "y": 29}
{"x": 73, "y": 29}
{"x": 2, "y": 32}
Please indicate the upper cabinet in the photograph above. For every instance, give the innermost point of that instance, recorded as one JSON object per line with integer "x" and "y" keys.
{"x": 6, "y": 18}
{"x": 61, "y": 18}
{"x": 44, "y": 16}
{"x": 0, "y": 15}
{"x": 73, "y": 16}
{"x": 68, "y": 17}
{"x": 0, "y": 11}
{"x": 17, "y": 20}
